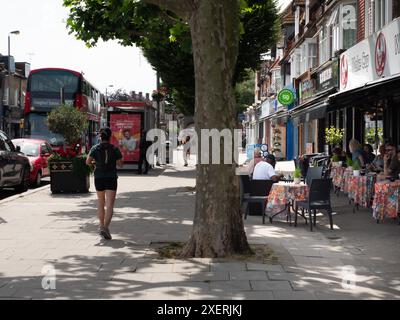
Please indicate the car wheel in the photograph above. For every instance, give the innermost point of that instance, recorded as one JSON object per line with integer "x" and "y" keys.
{"x": 24, "y": 185}
{"x": 38, "y": 180}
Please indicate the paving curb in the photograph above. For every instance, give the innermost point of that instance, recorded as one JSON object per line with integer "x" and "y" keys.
{"x": 24, "y": 194}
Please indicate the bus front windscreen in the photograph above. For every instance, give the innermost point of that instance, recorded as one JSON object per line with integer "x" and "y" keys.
{"x": 36, "y": 127}
{"x": 51, "y": 81}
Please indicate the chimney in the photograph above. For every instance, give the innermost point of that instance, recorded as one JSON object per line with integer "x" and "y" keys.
{"x": 140, "y": 95}
{"x": 147, "y": 96}
{"x": 133, "y": 95}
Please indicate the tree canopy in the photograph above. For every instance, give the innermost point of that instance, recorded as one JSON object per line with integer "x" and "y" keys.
{"x": 165, "y": 38}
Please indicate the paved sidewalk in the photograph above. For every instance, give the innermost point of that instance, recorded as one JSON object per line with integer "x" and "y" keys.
{"x": 61, "y": 231}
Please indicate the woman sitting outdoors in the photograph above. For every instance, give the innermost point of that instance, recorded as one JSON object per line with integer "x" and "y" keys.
{"x": 357, "y": 152}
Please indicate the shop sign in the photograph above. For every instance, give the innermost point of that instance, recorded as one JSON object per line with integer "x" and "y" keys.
{"x": 286, "y": 97}
{"x": 307, "y": 89}
{"x": 371, "y": 59}
{"x": 327, "y": 77}
{"x": 251, "y": 147}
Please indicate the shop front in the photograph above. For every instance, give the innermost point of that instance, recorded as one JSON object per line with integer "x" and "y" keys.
{"x": 309, "y": 117}
{"x": 368, "y": 103}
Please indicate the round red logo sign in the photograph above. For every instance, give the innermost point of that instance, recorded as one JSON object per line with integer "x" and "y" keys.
{"x": 344, "y": 72}
{"x": 380, "y": 54}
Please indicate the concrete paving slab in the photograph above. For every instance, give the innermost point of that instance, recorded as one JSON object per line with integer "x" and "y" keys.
{"x": 248, "y": 275}
{"x": 233, "y": 285}
{"x": 269, "y": 285}
{"x": 263, "y": 267}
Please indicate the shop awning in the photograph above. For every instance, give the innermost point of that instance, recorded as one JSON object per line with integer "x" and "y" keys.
{"x": 279, "y": 117}
{"x": 313, "y": 110}
{"x": 380, "y": 88}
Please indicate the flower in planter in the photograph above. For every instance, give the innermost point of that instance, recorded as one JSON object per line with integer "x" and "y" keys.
{"x": 297, "y": 173}
{"x": 69, "y": 172}
{"x": 349, "y": 162}
{"x": 334, "y": 136}
{"x": 335, "y": 158}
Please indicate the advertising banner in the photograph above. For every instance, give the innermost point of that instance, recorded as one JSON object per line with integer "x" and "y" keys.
{"x": 251, "y": 147}
{"x": 126, "y": 135}
{"x": 371, "y": 59}
{"x": 327, "y": 77}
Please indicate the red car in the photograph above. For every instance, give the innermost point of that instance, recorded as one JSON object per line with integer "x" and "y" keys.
{"x": 38, "y": 152}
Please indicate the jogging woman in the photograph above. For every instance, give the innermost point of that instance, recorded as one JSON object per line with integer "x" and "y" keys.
{"x": 106, "y": 158}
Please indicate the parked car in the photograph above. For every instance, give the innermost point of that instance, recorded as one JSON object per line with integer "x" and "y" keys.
{"x": 14, "y": 166}
{"x": 38, "y": 152}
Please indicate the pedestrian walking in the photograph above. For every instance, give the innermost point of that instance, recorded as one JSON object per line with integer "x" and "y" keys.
{"x": 106, "y": 158}
{"x": 186, "y": 150}
{"x": 144, "y": 145}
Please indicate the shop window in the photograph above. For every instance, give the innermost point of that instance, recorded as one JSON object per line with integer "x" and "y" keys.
{"x": 349, "y": 24}
{"x": 396, "y": 9}
{"x": 276, "y": 80}
{"x": 312, "y": 55}
{"x": 380, "y": 8}
{"x": 335, "y": 29}
{"x": 295, "y": 64}
{"x": 378, "y": 13}
{"x": 340, "y": 30}
{"x": 308, "y": 52}
{"x": 324, "y": 45}
{"x": 297, "y": 21}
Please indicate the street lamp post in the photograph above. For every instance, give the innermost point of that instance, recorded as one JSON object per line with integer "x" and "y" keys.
{"x": 109, "y": 86}
{"x": 158, "y": 100}
{"x": 105, "y": 114}
{"x": 16, "y": 32}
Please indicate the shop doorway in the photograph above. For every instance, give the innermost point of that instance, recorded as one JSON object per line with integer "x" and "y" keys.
{"x": 373, "y": 128}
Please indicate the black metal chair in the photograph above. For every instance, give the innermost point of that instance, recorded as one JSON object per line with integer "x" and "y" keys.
{"x": 259, "y": 191}
{"x": 319, "y": 197}
{"x": 244, "y": 186}
{"x": 313, "y": 173}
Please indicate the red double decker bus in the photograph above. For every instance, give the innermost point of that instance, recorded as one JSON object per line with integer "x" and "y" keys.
{"x": 46, "y": 89}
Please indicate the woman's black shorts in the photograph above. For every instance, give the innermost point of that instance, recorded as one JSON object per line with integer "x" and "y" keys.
{"x": 103, "y": 184}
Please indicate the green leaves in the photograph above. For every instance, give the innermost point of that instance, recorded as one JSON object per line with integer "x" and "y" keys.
{"x": 69, "y": 122}
{"x": 349, "y": 162}
{"x": 370, "y": 135}
{"x": 165, "y": 39}
{"x": 297, "y": 173}
{"x": 334, "y": 136}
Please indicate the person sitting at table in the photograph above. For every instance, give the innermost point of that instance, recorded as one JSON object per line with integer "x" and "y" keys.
{"x": 264, "y": 170}
{"x": 357, "y": 152}
{"x": 339, "y": 153}
{"x": 378, "y": 163}
{"x": 270, "y": 158}
{"x": 256, "y": 159}
{"x": 392, "y": 164}
{"x": 368, "y": 153}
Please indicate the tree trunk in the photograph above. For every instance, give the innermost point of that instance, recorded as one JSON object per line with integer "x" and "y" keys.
{"x": 218, "y": 228}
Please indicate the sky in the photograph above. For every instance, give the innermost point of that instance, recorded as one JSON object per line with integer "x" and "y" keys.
{"x": 44, "y": 42}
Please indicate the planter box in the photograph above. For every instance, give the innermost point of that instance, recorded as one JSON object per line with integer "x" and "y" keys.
{"x": 63, "y": 179}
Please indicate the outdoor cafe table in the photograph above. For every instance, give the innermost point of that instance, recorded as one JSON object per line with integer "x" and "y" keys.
{"x": 347, "y": 175}
{"x": 282, "y": 196}
{"x": 337, "y": 174}
{"x": 386, "y": 200}
{"x": 361, "y": 189}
